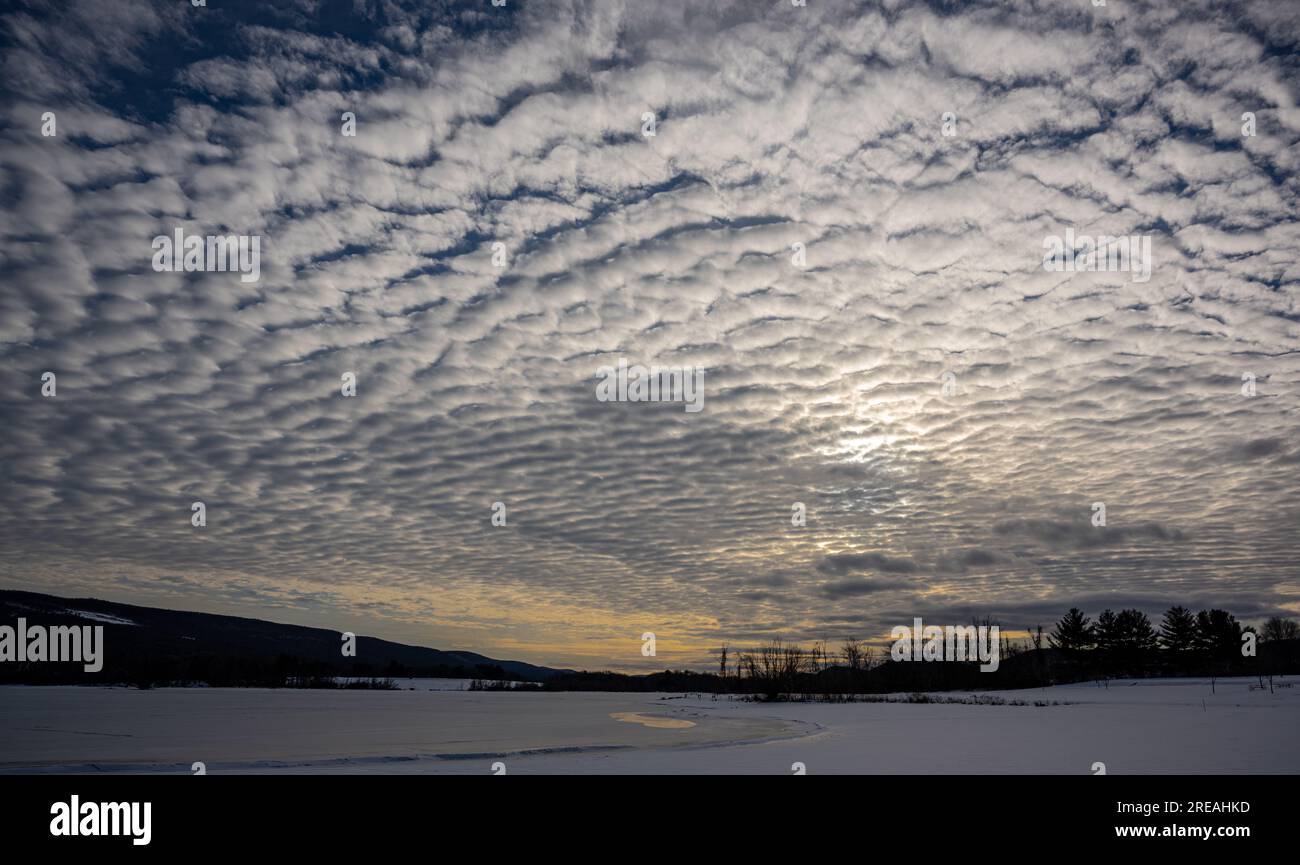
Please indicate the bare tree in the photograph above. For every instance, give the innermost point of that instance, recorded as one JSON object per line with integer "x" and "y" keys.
{"x": 778, "y": 668}
{"x": 856, "y": 656}
{"x": 853, "y": 652}
{"x": 1278, "y": 628}
{"x": 747, "y": 663}
{"x": 793, "y": 662}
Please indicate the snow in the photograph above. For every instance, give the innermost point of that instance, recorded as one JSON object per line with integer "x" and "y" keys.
{"x": 1148, "y": 726}
{"x": 101, "y": 617}
{"x": 418, "y": 684}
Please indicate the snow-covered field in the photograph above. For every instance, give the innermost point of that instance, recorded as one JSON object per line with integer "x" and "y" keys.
{"x": 1148, "y": 726}
{"x": 420, "y": 684}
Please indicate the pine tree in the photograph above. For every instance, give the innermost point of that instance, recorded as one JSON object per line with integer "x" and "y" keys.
{"x": 1219, "y": 632}
{"x": 1106, "y": 631}
{"x": 1204, "y": 632}
{"x": 1135, "y": 633}
{"x": 1073, "y": 631}
{"x": 1178, "y": 630}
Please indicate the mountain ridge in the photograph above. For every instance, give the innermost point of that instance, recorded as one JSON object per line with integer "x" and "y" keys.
{"x": 138, "y": 636}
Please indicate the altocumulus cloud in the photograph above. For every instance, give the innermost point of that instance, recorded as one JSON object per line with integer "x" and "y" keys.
{"x": 946, "y": 409}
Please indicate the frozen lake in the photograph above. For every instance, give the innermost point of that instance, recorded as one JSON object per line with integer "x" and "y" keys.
{"x": 1148, "y": 726}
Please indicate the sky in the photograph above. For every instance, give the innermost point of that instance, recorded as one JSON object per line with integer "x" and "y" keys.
{"x": 840, "y": 221}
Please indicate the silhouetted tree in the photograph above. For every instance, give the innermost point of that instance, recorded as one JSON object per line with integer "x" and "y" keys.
{"x": 749, "y": 664}
{"x": 852, "y": 651}
{"x": 1178, "y": 630}
{"x": 1219, "y": 634}
{"x": 854, "y": 654}
{"x": 817, "y": 657}
{"x": 1073, "y": 631}
{"x": 778, "y": 667}
{"x": 1278, "y": 628}
{"x": 1135, "y": 633}
{"x": 1106, "y": 631}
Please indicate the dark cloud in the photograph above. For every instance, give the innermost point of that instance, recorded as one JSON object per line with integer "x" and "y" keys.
{"x": 852, "y": 563}
{"x": 1082, "y": 533}
{"x": 854, "y": 588}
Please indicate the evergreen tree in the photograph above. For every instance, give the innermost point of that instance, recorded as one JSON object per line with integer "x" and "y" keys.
{"x": 1219, "y": 633}
{"x": 1073, "y": 631}
{"x": 1204, "y": 632}
{"x": 1106, "y": 631}
{"x": 1135, "y": 633}
{"x": 1178, "y": 630}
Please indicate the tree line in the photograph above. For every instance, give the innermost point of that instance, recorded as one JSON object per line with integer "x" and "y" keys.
{"x": 1125, "y": 643}
{"x": 1212, "y": 633}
